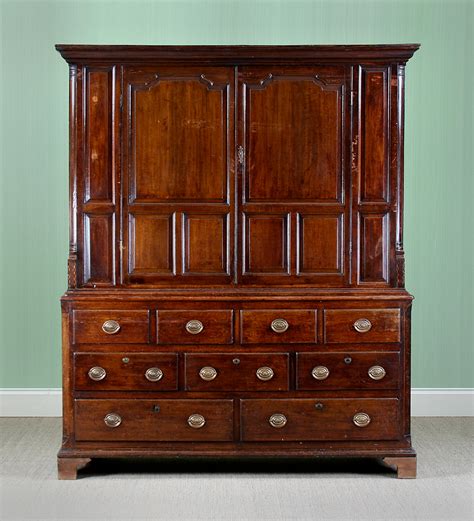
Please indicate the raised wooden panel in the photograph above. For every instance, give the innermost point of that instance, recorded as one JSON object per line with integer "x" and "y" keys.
{"x": 266, "y": 244}
{"x": 98, "y": 111}
{"x": 375, "y": 132}
{"x": 206, "y": 244}
{"x": 151, "y": 244}
{"x": 374, "y": 247}
{"x": 99, "y": 249}
{"x": 178, "y": 135}
{"x": 320, "y": 244}
{"x": 294, "y": 136}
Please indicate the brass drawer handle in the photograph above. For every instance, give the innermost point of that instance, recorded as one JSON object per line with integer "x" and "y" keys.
{"x": 194, "y": 327}
{"x": 362, "y": 325}
{"x": 111, "y": 327}
{"x": 377, "y": 372}
{"x": 154, "y": 374}
{"x": 208, "y": 373}
{"x": 277, "y": 421}
{"x": 112, "y": 420}
{"x": 361, "y": 419}
{"x": 320, "y": 372}
{"x": 97, "y": 373}
{"x": 279, "y": 325}
{"x": 196, "y": 421}
{"x": 265, "y": 373}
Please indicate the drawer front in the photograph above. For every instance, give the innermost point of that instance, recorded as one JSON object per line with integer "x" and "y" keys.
{"x": 361, "y": 325}
{"x": 110, "y": 327}
{"x": 125, "y": 371}
{"x": 237, "y": 372}
{"x": 353, "y": 370}
{"x": 195, "y": 327}
{"x": 154, "y": 420}
{"x": 306, "y": 419}
{"x": 277, "y": 326}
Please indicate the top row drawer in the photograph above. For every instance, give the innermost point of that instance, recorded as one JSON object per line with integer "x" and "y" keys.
{"x": 217, "y": 326}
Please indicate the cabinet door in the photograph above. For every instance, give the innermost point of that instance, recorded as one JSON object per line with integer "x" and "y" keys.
{"x": 295, "y": 167}
{"x": 178, "y": 166}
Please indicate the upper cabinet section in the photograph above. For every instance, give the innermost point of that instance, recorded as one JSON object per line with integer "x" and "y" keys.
{"x": 236, "y": 166}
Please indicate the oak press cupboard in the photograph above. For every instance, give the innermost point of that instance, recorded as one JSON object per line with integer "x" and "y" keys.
{"x": 236, "y": 265}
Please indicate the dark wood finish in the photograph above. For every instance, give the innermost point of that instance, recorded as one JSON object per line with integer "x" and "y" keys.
{"x": 218, "y": 327}
{"x": 405, "y": 466}
{"x": 87, "y": 326}
{"x": 339, "y": 325}
{"x": 154, "y": 420}
{"x": 68, "y": 467}
{"x": 125, "y": 371}
{"x": 235, "y": 185}
{"x": 256, "y": 326}
{"x": 308, "y": 422}
{"x": 347, "y": 370}
{"x": 237, "y": 371}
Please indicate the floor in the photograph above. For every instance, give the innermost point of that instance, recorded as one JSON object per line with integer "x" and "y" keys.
{"x": 333, "y": 490}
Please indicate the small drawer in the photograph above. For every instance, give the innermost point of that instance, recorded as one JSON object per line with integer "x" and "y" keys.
{"x": 125, "y": 371}
{"x": 110, "y": 326}
{"x": 195, "y": 327}
{"x": 237, "y": 372}
{"x": 154, "y": 420}
{"x": 353, "y": 370}
{"x": 361, "y": 325}
{"x": 313, "y": 419}
{"x": 277, "y": 326}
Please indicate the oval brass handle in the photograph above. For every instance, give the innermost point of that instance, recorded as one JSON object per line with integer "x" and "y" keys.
{"x": 320, "y": 372}
{"x": 362, "y": 325}
{"x": 194, "y": 327}
{"x": 196, "y": 421}
{"x": 277, "y": 420}
{"x": 97, "y": 373}
{"x": 112, "y": 420}
{"x": 377, "y": 372}
{"x": 265, "y": 373}
{"x": 111, "y": 327}
{"x": 279, "y": 325}
{"x": 361, "y": 419}
{"x": 208, "y": 373}
{"x": 154, "y": 374}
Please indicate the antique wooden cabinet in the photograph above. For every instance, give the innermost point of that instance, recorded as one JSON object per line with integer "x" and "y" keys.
{"x": 236, "y": 266}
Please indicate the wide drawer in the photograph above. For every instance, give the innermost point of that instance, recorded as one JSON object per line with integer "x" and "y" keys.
{"x": 277, "y": 326}
{"x": 195, "y": 327}
{"x": 236, "y": 372}
{"x": 348, "y": 370}
{"x": 308, "y": 419}
{"x": 110, "y": 326}
{"x": 361, "y": 325}
{"x": 125, "y": 371}
{"x": 154, "y": 420}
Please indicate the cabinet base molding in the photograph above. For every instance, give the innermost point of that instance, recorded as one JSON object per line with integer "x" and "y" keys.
{"x": 402, "y": 461}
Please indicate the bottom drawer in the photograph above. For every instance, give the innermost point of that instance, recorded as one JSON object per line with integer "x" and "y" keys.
{"x": 311, "y": 419}
{"x": 154, "y": 420}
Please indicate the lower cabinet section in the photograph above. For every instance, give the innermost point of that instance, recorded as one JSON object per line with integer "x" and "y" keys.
{"x": 304, "y": 419}
{"x": 154, "y": 420}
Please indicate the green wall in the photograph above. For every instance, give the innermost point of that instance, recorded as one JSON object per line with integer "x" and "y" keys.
{"x": 34, "y": 164}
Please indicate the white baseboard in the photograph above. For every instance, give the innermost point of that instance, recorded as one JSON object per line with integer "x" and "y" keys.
{"x": 425, "y": 402}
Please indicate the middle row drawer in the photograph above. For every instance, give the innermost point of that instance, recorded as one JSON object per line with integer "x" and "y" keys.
{"x": 236, "y": 372}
